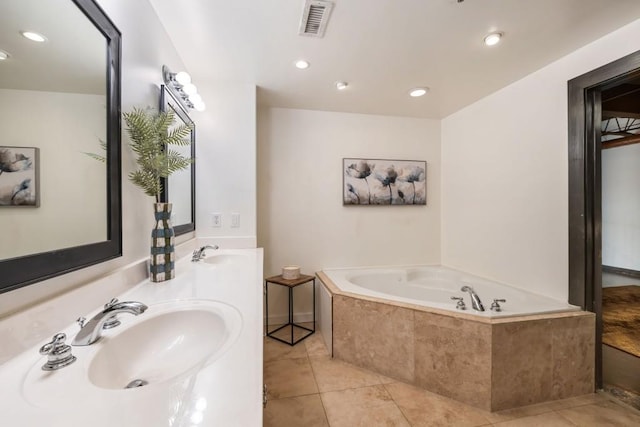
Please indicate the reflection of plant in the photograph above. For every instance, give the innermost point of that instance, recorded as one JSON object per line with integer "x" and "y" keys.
{"x": 99, "y": 157}
{"x": 414, "y": 175}
{"x": 387, "y": 178}
{"x": 151, "y": 137}
{"x": 361, "y": 171}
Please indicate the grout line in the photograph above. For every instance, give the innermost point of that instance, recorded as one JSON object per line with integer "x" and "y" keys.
{"x": 397, "y": 404}
{"x": 313, "y": 372}
{"x": 564, "y": 418}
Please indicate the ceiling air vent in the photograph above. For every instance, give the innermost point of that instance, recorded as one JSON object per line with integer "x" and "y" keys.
{"x": 315, "y": 17}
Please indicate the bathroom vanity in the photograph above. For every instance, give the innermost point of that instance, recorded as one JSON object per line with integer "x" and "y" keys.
{"x": 193, "y": 357}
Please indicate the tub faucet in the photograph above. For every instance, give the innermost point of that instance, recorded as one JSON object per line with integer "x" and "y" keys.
{"x": 90, "y": 331}
{"x": 475, "y": 299}
{"x": 198, "y": 254}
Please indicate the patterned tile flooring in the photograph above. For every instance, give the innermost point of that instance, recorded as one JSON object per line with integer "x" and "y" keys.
{"x": 306, "y": 388}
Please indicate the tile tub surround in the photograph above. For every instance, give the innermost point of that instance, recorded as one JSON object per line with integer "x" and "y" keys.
{"x": 492, "y": 364}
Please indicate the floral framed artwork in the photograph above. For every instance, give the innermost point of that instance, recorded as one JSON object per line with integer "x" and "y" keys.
{"x": 384, "y": 182}
{"x": 19, "y": 184}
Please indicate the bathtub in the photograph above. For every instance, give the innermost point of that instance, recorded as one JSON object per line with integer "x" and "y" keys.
{"x": 402, "y": 323}
{"x": 433, "y": 286}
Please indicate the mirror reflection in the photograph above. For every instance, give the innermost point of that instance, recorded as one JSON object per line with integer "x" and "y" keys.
{"x": 53, "y": 104}
{"x": 179, "y": 188}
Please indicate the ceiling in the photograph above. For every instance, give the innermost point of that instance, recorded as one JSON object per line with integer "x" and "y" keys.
{"x": 73, "y": 59}
{"x": 382, "y": 48}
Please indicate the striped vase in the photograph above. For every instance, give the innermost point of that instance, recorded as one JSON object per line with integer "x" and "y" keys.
{"x": 162, "y": 265}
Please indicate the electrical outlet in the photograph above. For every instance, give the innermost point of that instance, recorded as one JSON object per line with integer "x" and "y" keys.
{"x": 216, "y": 220}
{"x": 235, "y": 220}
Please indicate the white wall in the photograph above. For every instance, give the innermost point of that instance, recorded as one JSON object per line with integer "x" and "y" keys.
{"x": 505, "y": 168}
{"x": 226, "y": 160}
{"x": 301, "y": 219}
{"x": 145, "y": 48}
{"x": 621, "y": 207}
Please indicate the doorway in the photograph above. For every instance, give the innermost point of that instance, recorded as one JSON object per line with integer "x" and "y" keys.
{"x": 604, "y": 115}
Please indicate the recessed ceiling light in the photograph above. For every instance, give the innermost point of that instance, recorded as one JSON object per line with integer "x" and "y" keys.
{"x": 341, "y": 85}
{"x": 34, "y": 36}
{"x": 492, "y": 39}
{"x": 418, "y": 91}
{"x": 3, "y": 55}
{"x": 302, "y": 64}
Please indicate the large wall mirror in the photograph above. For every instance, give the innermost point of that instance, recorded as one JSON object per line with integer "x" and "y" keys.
{"x": 180, "y": 188}
{"x": 60, "y": 208}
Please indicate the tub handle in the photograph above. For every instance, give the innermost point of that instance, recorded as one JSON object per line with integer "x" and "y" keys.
{"x": 495, "y": 306}
{"x": 460, "y": 304}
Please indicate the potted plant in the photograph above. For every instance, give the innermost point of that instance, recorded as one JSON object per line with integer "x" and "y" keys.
{"x": 151, "y": 136}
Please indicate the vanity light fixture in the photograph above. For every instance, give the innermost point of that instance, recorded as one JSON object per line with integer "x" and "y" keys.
{"x": 180, "y": 85}
{"x": 36, "y": 37}
{"x": 493, "y": 39}
{"x": 418, "y": 91}
{"x": 341, "y": 85}
{"x": 302, "y": 64}
{"x": 3, "y": 55}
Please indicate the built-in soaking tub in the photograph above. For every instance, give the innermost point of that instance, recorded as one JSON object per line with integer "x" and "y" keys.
{"x": 433, "y": 286}
{"x": 402, "y": 323}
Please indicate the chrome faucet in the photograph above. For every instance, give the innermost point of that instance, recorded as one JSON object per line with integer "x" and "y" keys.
{"x": 475, "y": 299}
{"x": 198, "y": 254}
{"x": 90, "y": 331}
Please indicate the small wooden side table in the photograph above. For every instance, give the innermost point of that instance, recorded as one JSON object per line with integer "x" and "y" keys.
{"x": 279, "y": 280}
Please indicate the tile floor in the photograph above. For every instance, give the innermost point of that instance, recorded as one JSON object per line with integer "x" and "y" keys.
{"x": 306, "y": 388}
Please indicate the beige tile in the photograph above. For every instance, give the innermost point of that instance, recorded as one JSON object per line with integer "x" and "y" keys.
{"x": 332, "y": 374}
{"x": 386, "y": 380}
{"x": 523, "y": 369}
{"x": 299, "y": 411}
{"x": 549, "y": 419}
{"x": 521, "y": 412}
{"x": 375, "y": 336}
{"x": 366, "y": 407}
{"x": 453, "y": 358}
{"x": 289, "y": 377}
{"x": 573, "y": 356}
{"x": 315, "y": 345}
{"x": 572, "y": 402}
{"x": 601, "y": 415}
{"x": 422, "y": 408}
{"x": 275, "y": 350}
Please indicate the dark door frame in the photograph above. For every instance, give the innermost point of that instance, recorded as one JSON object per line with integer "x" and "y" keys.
{"x": 585, "y": 187}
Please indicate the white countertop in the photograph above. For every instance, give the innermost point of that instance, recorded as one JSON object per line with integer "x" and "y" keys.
{"x": 226, "y": 392}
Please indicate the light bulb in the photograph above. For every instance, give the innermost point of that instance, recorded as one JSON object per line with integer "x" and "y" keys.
{"x": 492, "y": 39}
{"x": 195, "y": 98}
{"x": 190, "y": 89}
{"x": 419, "y": 91}
{"x": 199, "y": 106}
{"x": 302, "y": 64}
{"x": 341, "y": 85}
{"x": 3, "y": 55}
{"x": 183, "y": 78}
{"x": 34, "y": 36}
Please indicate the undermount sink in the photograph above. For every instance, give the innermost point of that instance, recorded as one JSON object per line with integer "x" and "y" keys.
{"x": 161, "y": 347}
{"x": 167, "y": 341}
{"x": 223, "y": 259}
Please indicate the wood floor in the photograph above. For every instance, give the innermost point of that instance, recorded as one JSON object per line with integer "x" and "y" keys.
{"x": 621, "y": 318}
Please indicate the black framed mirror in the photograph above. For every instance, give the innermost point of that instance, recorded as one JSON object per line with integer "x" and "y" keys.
{"x": 180, "y": 188}
{"x": 68, "y": 89}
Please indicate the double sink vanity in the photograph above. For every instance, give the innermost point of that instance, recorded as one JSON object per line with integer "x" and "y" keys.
{"x": 192, "y": 355}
